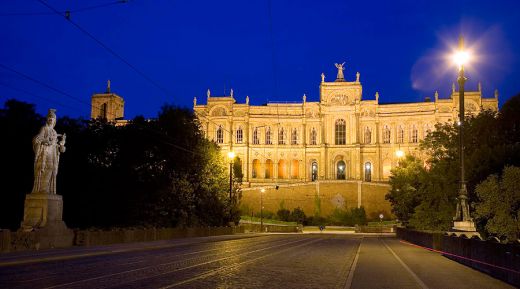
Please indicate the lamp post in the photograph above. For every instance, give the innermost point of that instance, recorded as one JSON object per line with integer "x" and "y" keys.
{"x": 231, "y": 156}
{"x": 262, "y": 191}
{"x": 399, "y": 154}
{"x": 462, "y": 219}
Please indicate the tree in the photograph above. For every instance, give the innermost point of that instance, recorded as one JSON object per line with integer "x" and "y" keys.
{"x": 404, "y": 186}
{"x": 498, "y": 204}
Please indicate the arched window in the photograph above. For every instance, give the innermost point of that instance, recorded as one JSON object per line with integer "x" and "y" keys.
{"x": 400, "y": 134}
{"x": 414, "y": 134}
{"x": 256, "y": 137}
{"x": 220, "y": 134}
{"x": 340, "y": 170}
{"x": 368, "y": 172}
{"x": 340, "y": 132}
{"x": 239, "y": 135}
{"x": 256, "y": 169}
{"x": 268, "y": 136}
{"x": 294, "y": 136}
{"x": 268, "y": 169}
{"x": 313, "y": 137}
{"x": 368, "y": 135}
{"x": 281, "y": 136}
{"x": 295, "y": 169}
{"x": 282, "y": 169}
{"x": 314, "y": 171}
{"x": 386, "y": 134}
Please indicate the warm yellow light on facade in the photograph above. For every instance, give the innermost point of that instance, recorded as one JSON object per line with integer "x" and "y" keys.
{"x": 399, "y": 153}
{"x": 231, "y": 155}
{"x": 262, "y": 190}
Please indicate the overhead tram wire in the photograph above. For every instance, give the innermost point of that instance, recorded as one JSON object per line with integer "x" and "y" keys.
{"x": 159, "y": 133}
{"x": 88, "y": 8}
{"x": 111, "y": 51}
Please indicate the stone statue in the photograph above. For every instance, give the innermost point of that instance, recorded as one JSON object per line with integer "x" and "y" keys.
{"x": 452, "y": 87}
{"x": 322, "y": 77}
{"x": 47, "y": 148}
{"x": 304, "y": 98}
{"x": 496, "y": 93}
{"x": 194, "y": 101}
{"x": 357, "y": 76}
{"x": 108, "y": 86}
{"x": 480, "y": 86}
{"x": 247, "y": 99}
{"x": 340, "y": 68}
{"x": 436, "y": 95}
{"x": 377, "y": 96}
{"x": 231, "y": 93}
{"x": 208, "y": 93}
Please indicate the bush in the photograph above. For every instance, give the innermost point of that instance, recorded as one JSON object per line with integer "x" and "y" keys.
{"x": 283, "y": 215}
{"x": 297, "y": 215}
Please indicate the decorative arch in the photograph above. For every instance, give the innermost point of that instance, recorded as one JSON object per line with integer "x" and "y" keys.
{"x": 282, "y": 169}
{"x": 256, "y": 169}
{"x": 268, "y": 169}
{"x": 295, "y": 169}
{"x": 218, "y": 111}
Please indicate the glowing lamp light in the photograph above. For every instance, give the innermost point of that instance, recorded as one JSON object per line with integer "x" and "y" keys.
{"x": 399, "y": 153}
{"x": 231, "y": 155}
{"x": 461, "y": 58}
{"x": 341, "y": 167}
{"x": 262, "y": 190}
{"x": 367, "y": 166}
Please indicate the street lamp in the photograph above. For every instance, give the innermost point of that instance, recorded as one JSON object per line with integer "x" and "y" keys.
{"x": 231, "y": 156}
{"x": 262, "y": 191}
{"x": 399, "y": 154}
{"x": 462, "y": 219}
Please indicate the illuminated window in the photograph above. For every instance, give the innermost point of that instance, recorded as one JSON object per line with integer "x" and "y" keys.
{"x": 340, "y": 170}
{"x": 220, "y": 134}
{"x": 268, "y": 136}
{"x": 256, "y": 138}
{"x": 413, "y": 137}
{"x": 368, "y": 172}
{"x": 294, "y": 136}
{"x": 386, "y": 134}
{"x": 314, "y": 171}
{"x": 314, "y": 136}
{"x": 400, "y": 134}
{"x": 256, "y": 169}
{"x": 340, "y": 132}
{"x": 239, "y": 135}
{"x": 281, "y": 136}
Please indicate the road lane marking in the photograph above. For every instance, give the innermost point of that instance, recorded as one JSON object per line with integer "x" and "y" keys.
{"x": 169, "y": 263}
{"x": 415, "y": 277}
{"x": 225, "y": 268}
{"x": 350, "y": 277}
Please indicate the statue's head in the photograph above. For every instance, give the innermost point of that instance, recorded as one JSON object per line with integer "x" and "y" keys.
{"x": 51, "y": 117}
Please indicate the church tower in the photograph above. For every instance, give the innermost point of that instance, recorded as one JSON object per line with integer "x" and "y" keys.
{"x": 108, "y": 105}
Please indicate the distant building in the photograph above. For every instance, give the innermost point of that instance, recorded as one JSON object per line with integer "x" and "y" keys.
{"x": 108, "y": 106}
{"x": 341, "y": 137}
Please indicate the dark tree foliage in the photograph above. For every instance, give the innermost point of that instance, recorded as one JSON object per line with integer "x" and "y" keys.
{"x": 160, "y": 172}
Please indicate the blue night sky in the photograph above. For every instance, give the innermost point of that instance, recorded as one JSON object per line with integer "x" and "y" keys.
{"x": 270, "y": 50}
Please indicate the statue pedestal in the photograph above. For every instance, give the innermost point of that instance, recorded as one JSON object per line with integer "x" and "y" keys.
{"x": 43, "y": 216}
{"x": 465, "y": 226}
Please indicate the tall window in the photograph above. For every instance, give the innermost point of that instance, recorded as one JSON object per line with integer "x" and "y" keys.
{"x": 256, "y": 169}
{"x": 340, "y": 170}
{"x": 368, "y": 172}
{"x": 256, "y": 139}
{"x": 240, "y": 135}
{"x": 413, "y": 137}
{"x": 340, "y": 132}
{"x": 294, "y": 136}
{"x": 400, "y": 134}
{"x": 281, "y": 136}
{"x": 368, "y": 135}
{"x": 103, "y": 112}
{"x": 386, "y": 134}
{"x": 268, "y": 169}
{"x": 314, "y": 171}
{"x": 268, "y": 136}
{"x": 220, "y": 134}
{"x": 314, "y": 136}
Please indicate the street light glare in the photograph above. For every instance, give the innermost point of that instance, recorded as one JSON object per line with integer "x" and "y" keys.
{"x": 231, "y": 155}
{"x": 399, "y": 153}
{"x": 461, "y": 57}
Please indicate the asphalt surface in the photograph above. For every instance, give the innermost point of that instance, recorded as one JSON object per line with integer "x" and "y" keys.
{"x": 244, "y": 261}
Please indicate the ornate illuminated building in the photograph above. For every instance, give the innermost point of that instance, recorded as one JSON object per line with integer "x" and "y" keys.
{"x": 343, "y": 136}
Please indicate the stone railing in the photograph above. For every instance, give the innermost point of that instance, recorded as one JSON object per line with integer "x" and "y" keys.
{"x": 499, "y": 260}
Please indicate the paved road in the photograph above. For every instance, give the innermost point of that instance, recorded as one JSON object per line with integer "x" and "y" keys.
{"x": 245, "y": 261}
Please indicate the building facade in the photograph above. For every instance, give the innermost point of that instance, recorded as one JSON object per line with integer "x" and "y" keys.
{"x": 341, "y": 137}
{"x": 108, "y": 106}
